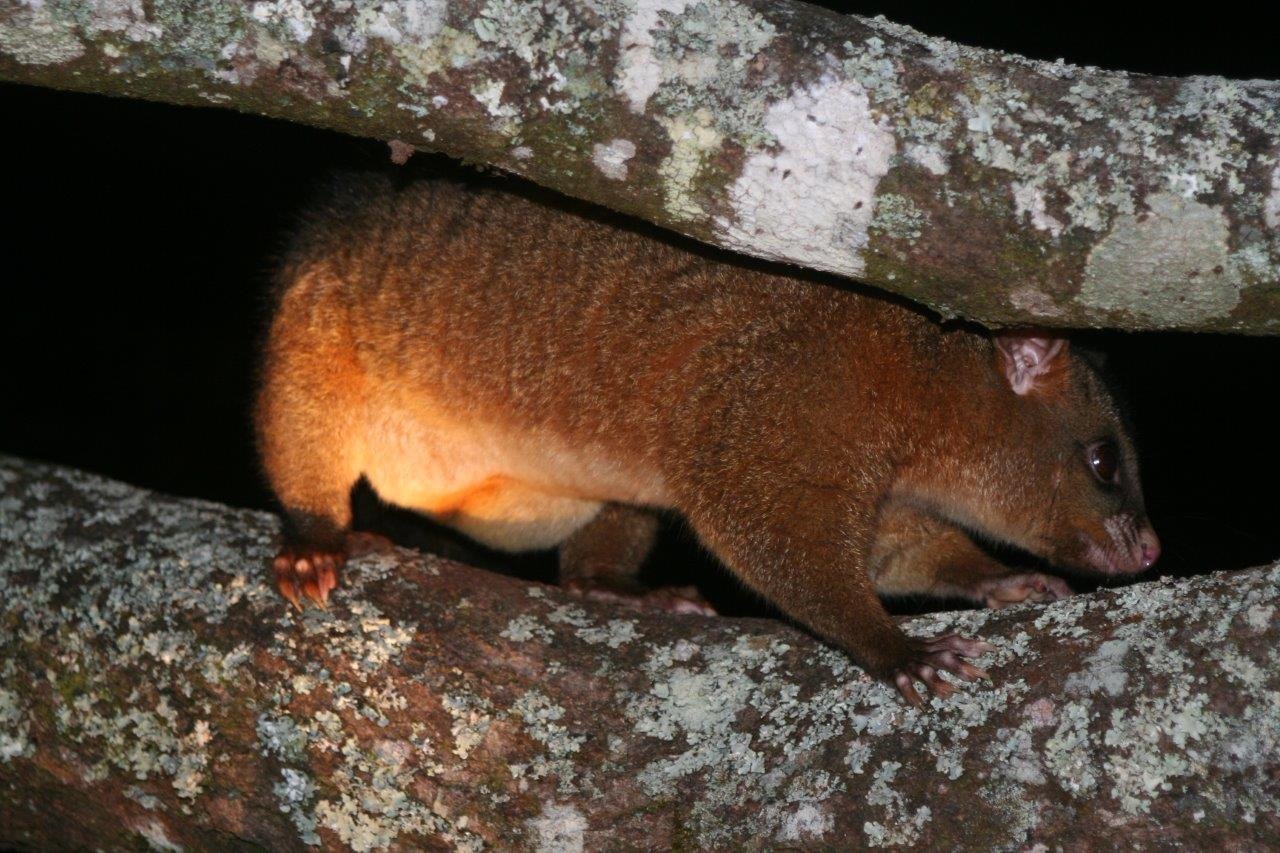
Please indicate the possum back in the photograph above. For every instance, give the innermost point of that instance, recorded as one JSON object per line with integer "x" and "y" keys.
{"x": 503, "y": 369}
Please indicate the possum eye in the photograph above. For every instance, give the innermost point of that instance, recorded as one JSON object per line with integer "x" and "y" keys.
{"x": 1104, "y": 462}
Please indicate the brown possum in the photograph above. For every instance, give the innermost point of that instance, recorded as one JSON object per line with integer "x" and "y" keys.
{"x": 537, "y": 378}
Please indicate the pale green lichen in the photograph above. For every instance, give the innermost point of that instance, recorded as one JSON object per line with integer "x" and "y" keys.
{"x": 471, "y": 720}
{"x": 281, "y": 736}
{"x": 803, "y": 812}
{"x": 291, "y": 19}
{"x": 376, "y": 808}
{"x": 617, "y": 633}
{"x": 1067, "y": 751}
{"x": 703, "y": 52}
{"x": 15, "y": 733}
{"x": 899, "y": 217}
{"x": 1171, "y": 264}
{"x": 105, "y": 18}
{"x": 39, "y": 34}
{"x": 295, "y": 792}
{"x": 1271, "y": 207}
{"x": 558, "y": 829}
{"x": 145, "y": 743}
{"x": 902, "y": 823}
{"x": 153, "y": 832}
{"x": 451, "y": 49}
{"x": 569, "y": 614}
{"x": 541, "y": 719}
{"x": 142, "y": 798}
{"x": 1012, "y": 752}
{"x": 694, "y": 140}
{"x": 1260, "y": 616}
{"x": 1105, "y": 671}
{"x": 204, "y": 35}
{"x": 526, "y": 627}
{"x": 694, "y": 61}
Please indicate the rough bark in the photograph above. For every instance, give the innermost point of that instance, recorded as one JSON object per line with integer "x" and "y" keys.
{"x": 156, "y": 690}
{"x": 982, "y": 184}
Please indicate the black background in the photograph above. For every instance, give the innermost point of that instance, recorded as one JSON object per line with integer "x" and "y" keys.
{"x": 139, "y": 238}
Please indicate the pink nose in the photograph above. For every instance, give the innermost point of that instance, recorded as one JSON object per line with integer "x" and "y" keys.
{"x": 1149, "y": 543}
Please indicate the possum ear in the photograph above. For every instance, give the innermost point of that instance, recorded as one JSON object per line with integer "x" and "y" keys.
{"x": 1027, "y": 359}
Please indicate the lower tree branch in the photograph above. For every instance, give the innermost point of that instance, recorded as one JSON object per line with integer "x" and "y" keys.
{"x": 156, "y": 690}
{"x": 989, "y": 186}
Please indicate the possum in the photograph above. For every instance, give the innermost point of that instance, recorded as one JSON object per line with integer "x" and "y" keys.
{"x": 540, "y": 376}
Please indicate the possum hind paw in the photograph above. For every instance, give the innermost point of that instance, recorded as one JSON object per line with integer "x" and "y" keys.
{"x": 1016, "y": 589}
{"x": 668, "y": 599}
{"x": 309, "y": 573}
{"x": 929, "y": 658}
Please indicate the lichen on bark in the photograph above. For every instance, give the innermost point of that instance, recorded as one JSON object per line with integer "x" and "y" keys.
{"x": 158, "y": 690}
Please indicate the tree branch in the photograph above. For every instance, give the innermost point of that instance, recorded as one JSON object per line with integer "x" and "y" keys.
{"x": 984, "y": 185}
{"x": 155, "y": 688}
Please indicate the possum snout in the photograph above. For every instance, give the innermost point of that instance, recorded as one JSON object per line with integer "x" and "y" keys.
{"x": 1150, "y": 545}
{"x": 1128, "y": 546}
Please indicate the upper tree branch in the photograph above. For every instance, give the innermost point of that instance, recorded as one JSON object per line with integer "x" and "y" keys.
{"x": 982, "y": 184}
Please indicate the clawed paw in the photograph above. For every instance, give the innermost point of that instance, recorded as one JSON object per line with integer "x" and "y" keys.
{"x": 309, "y": 573}
{"x": 1016, "y": 589}
{"x": 929, "y": 658}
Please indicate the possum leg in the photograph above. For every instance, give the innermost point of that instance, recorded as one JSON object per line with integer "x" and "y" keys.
{"x": 804, "y": 546}
{"x": 915, "y": 553}
{"x": 601, "y": 561}
{"x": 308, "y": 432}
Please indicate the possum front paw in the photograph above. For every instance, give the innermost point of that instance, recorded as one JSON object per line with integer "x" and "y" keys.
{"x": 1015, "y": 589}
{"x": 927, "y": 658}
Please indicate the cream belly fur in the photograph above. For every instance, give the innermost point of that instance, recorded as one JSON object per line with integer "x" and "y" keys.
{"x": 512, "y": 492}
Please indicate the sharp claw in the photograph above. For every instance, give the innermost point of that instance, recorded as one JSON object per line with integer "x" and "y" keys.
{"x": 967, "y": 648}
{"x": 908, "y": 690}
{"x": 290, "y": 591}
{"x": 940, "y": 688}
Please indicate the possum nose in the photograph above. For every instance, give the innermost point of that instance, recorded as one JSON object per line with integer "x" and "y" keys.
{"x": 1149, "y": 545}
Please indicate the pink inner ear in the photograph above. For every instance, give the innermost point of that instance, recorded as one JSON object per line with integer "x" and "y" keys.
{"x": 1027, "y": 358}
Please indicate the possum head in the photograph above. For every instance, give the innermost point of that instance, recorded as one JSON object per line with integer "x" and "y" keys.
{"x": 1047, "y": 465}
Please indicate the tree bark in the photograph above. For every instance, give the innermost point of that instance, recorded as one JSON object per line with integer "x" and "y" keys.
{"x": 984, "y": 185}
{"x": 155, "y": 689}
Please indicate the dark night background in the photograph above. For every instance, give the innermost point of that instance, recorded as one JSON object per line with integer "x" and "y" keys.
{"x": 139, "y": 240}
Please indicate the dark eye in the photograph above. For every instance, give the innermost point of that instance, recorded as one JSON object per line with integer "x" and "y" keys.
{"x": 1104, "y": 462}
